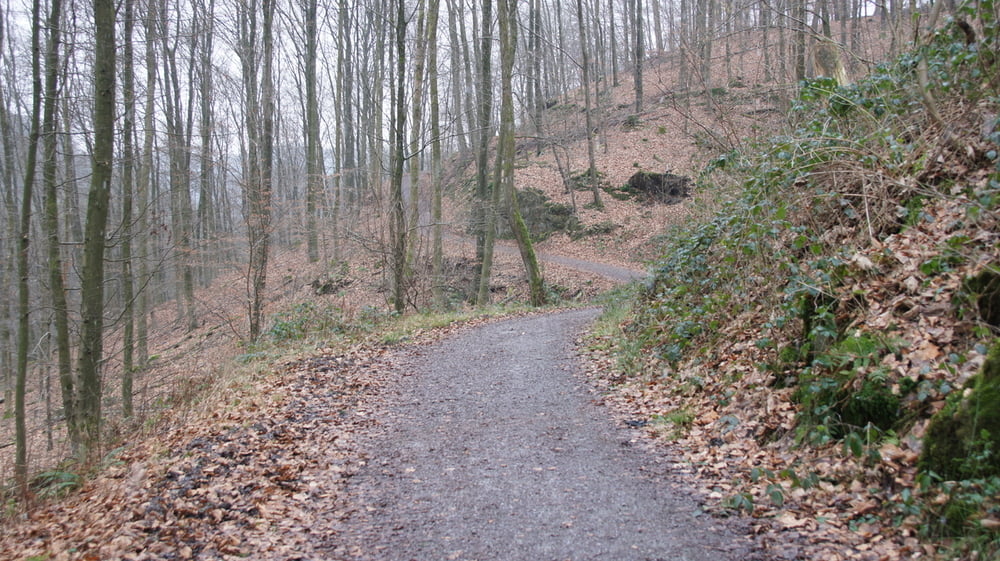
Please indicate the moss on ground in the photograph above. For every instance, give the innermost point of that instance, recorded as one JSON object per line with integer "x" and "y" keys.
{"x": 962, "y": 439}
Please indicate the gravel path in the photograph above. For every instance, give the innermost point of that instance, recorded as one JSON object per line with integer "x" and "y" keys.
{"x": 492, "y": 449}
{"x": 612, "y": 272}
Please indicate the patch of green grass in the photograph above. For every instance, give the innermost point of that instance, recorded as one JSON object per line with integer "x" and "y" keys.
{"x": 673, "y": 425}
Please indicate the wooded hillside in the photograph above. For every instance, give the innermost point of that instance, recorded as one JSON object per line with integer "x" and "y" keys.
{"x": 823, "y": 344}
{"x": 162, "y": 163}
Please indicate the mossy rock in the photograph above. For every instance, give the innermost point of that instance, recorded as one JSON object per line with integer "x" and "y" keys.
{"x": 599, "y": 229}
{"x": 652, "y": 187}
{"x": 959, "y": 435}
{"x": 982, "y": 292}
{"x": 846, "y": 409}
{"x": 583, "y": 181}
{"x": 874, "y": 403}
{"x": 542, "y": 216}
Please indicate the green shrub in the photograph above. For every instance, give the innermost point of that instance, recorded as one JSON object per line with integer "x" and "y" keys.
{"x": 303, "y": 319}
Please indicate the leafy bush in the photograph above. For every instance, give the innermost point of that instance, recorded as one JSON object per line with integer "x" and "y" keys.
{"x": 56, "y": 483}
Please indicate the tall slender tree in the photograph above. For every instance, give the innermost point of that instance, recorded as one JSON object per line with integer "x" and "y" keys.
{"x": 57, "y": 284}
{"x": 178, "y": 128}
{"x": 588, "y": 105}
{"x": 437, "y": 249}
{"x": 207, "y": 222}
{"x": 314, "y": 152}
{"x": 639, "y": 52}
{"x": 128, "y": 188}
{"x": 397, "y": 228}
{"x": 457, "y": 82}
{"x": 258, "y": 84}
{"x": 507, "y": 23}
{"x": 10, "y": 245}
{"x": 92, "y": 281}
{"x": 144, "y": 187}
{"x": 24, "y": 233}
{"x": 417, "y": 88}
{"x": 486, "y": 207}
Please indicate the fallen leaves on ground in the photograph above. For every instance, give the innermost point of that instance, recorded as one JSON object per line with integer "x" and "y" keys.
{"x": 259, "y": 477}
{"x": 741, "y": 450}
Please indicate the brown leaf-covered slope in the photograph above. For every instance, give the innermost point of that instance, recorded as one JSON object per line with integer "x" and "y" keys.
{"x": 739, "y": 411}
{"x": 735, "y": 428}
{"x": 255, "y": 473}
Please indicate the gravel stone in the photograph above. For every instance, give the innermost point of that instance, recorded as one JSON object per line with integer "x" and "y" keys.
{"x": 493, "y": 448}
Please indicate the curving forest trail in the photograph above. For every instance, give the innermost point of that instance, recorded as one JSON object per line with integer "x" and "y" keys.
{"x": 491, "y": 448}
{"x": 484, "y": 445}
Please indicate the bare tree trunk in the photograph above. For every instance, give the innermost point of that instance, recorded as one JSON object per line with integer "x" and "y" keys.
{"x": 535, "y": 42}
{"x": 179, "y": 148}
{"x": 856, "y": 6}
{"x": 9, "y": 253}
{"x": 781, "y": 19}
{"x": 505, "y": 150}
{"x": 207, "y": 222}
{"x": 706, "y": 20}
{"x": 437, "y": 249}
{"x": 143, "y": 187}
{"x": 350, "y": 182}
{"x": 640, "y": 54}
{"x": 799, "y": 47}
{"x": 599, "y": 54}
{"x": 57, "y": 284}
{"x": 485, "y": 210}
{"x": 397, "y": 211}
{"x": 561, "y": 66}
{"x": 417, "y": 93}
{"x": 24, "y": 325}
{"x": 684, "y": 46}
{"x": 826, "y": 52}
{"x": 588, "y": 107}
{"x": 92, "y": 285}
{"x": 373, "y": 112}
{"x": 128, "y": 166}
{"x": 263, "y": 210}
{"x": 614, "y": 43}
{"x": 765, "y": 24}
{"x": 728, "y": 17}
{"x": 71, "y": 196}
{"x": 456, "y": 77}
{"x": 470, "y": 107}
{"x": 656, "y": 13}
{"x": 259, "y": 110}
{"x": 314, "y": 152}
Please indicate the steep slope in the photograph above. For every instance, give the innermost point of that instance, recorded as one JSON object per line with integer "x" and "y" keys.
{"x": 797, "y": 345}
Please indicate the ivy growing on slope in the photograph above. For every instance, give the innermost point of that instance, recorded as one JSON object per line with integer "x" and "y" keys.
{"x": 841, "y": 280}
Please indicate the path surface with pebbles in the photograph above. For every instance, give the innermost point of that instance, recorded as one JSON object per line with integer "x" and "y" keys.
{"x": 491, "y": 447}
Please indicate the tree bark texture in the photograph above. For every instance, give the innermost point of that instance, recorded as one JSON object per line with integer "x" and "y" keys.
{"x": 92, "y": 282}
